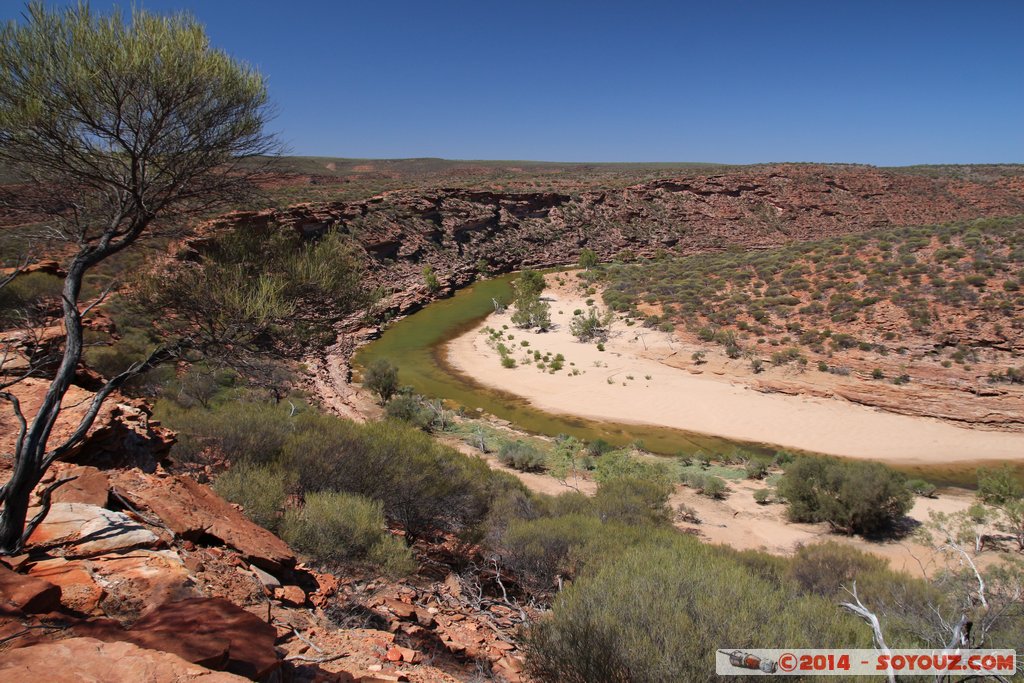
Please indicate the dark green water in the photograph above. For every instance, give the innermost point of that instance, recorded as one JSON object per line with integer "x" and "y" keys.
{"x": 416, "y": 344}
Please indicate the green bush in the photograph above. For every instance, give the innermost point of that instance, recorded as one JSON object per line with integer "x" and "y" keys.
{"x": 240, "y": 431}
{"x": 523, "y": 456}
{"x": 617, "y": 464}
{"x": 341, "y": 527}
{"x": 633, "y": 501}
{"x": 921, "y": 487}
{"x": 381, "y": 377}
{"x": 659, "y": 611}
{"x": 410, "y": 409}
{"x": 852, "y": 496}
{"x": 826, "y": 568}
{"x": 260, "y": 490}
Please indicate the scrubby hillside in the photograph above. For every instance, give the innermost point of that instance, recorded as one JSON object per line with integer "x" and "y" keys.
{"x": 938, "y": 307}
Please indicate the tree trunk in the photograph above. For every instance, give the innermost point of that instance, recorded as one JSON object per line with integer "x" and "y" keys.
{"x": 28, "y": 469}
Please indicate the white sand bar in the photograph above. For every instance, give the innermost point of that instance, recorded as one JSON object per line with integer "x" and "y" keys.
{"x": 706, "y": 403}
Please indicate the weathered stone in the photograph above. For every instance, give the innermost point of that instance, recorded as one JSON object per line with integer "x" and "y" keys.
{"x": 89, "y": 529}
{"x": 78, "y": 660}
{"x": 90, "y": 486}
{"x": 194, "y": 512}
{"x": 28, "y": 594}
{"x": 291, "y": 595}
{"x": 78, "y": 591}
{"x": 251, "y": 650}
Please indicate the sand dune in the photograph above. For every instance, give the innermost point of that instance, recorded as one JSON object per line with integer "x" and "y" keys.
{"x": 613, "y": 385}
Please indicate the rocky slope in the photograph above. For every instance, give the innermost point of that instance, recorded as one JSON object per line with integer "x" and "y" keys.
{"x": 458, "y": 230}
{"x": 141, "y": 572}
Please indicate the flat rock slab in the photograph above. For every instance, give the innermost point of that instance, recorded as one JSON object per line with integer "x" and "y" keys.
{"x": 251, "y": 650}
{"x": 79, "y": 592}
{"x": 88, "y": 660}
{"x": 91, "y": 530}
{"x": 121, "y": 585}
{"x": 193, "y": 511}
{"x": 89, "y": 486}
{"x": 28, "y": 594}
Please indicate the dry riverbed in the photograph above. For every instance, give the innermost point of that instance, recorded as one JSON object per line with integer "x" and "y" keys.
{"x": 646, "y": 376}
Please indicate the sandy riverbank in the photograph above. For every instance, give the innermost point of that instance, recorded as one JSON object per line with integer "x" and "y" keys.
{"x": 629, "y": 382}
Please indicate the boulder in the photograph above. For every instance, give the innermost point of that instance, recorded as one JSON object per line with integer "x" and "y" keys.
{"x": 90, "y": 486}
{"x": 184, "y": 627}
{"x": 121, "y": 435}
{"x": 28, "y": 594}
{"x": 78, "y": 660}
{"x": 291, "y": 595}
{"x": 123, "y": 584}
{"x": 91, "y": 530}
{"x": 79, "y": 592}
{"x": 194, "y": 512}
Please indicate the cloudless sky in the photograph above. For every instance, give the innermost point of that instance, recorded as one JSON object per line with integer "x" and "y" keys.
{"x": 739, "y": 81}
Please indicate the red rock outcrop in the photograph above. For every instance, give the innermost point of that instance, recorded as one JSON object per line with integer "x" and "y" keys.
{"x": 452, "y": 229}
{"x": 194, "y": 512}
{"x": 74, "y": 660}
{"x": 122, "y": 435}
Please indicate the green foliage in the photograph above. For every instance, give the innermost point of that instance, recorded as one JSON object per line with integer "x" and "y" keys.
{"x": 633, "y": 501}
{"x": 826, "y": 568}
{"x": 523, "y": 456}
{"x": 588, "y": 259}
{"x": 341, "y": 527}
{"x": 253, "y": 289}
{"x": 921, "y": 487}
{"x": 260, "y": 490}
{"x": 381, "y": 377}
{"x": 852, "y": 496}
{"x": 430, "y": 279}
{"x": 621, "y": 464}
{"x": 590, "y": 325}
{"x": 762, "y": 496}
{"x": 410, "y": 409}
{"x": 659, "y": 611}
{"x": 32, "y": 295}
{"x": 241, "y": 431}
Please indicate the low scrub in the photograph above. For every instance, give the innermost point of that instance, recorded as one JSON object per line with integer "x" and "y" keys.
{"x": 853, "y": 497}
{"x": 341, "y": 527}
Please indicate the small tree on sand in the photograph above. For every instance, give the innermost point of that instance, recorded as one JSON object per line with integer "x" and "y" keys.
{"x": 133, "y": 124}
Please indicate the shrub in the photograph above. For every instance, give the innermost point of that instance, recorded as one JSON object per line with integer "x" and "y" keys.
{"x": 259, "y": 489}
{"x": 340, "y": 527}
{"x": 591, "y": 325}
{"x": 508, "y": 362}
{"x": 242, "y": 432}
{"x": 826, "y": 568}
{"x": 381, "y": 377}
{"x": 921, "y": 487}
{"x": 617, "y": 464}
{"x": 762, "y": 496}
{"x": 410, "y": 409}
{"x": 658, "y": 611}
{"x": 523, "y": 456}
{"x": 756, "y": 468}
{"x": 633, "y": 501}
{"x": 852, "y": 496}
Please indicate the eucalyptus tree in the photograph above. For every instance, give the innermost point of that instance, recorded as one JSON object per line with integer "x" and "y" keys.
{"x": 131, "y": 125}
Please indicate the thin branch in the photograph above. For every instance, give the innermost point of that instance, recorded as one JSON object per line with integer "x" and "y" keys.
{"x": 858, "y": 609}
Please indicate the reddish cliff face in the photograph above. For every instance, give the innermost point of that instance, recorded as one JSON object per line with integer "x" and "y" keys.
{"x": 454, "y": 230}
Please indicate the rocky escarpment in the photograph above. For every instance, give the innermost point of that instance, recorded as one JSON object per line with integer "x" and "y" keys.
{"x": 460, "y": 231}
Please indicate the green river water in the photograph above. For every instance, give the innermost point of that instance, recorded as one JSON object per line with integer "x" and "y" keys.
{"x": 417, "y": 345}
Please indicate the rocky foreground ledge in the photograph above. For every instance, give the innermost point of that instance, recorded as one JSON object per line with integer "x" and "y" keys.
{"x": 143, "y": 574}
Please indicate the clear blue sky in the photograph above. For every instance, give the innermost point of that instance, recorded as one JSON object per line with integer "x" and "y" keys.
{"x": 889, "y": 83}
